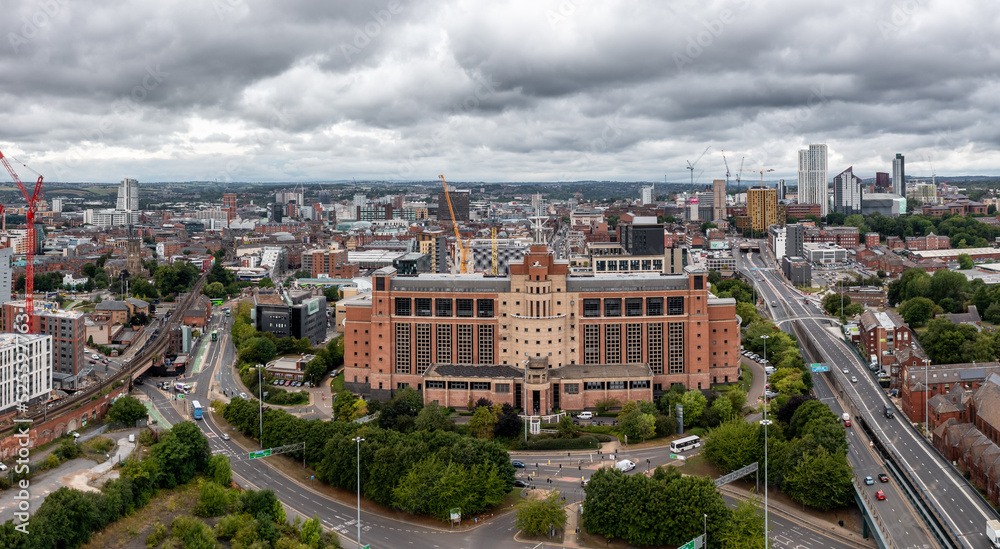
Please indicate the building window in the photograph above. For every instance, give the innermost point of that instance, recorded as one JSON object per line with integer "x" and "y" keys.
{"x": 464, "y": 343}
{"x": 675, "y": 347}
{"x": 633, "y": 343}
{"x": 423, "y": 306}
{"x": 616, "y": 385}
{"x": 501, "y": 388}
{"x": 458, "y": 385}
{"x": 640, "y": 384}
{"x": 592, "y": 344}
{"x": 613, "y": 343}
{"x": 613, "y": 307}
{"x": 654, "y": 306}
{"x": 423, "y": 347}
{"x": 444, "y": 343}
{"x": 592, "y": 307}
{"x": 442, "y": 307}
{"x": 675, "y": 305}
{"x": 464, "y": 307}
{"x": 654, "y": 347}
{"x": 593, "y": 386}
{"x": 480, "y": 386}
{"x": 402, "y": 348}
{"x": 486, "y": 344}
{"x": 403, "y": 306}
{"x": 571, "y": 388}
{"x": 633, "y": 306}
{"x": 485, "y": 308}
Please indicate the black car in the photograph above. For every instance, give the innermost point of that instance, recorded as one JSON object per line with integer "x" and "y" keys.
{"x": 882, "y": 477}
{"x": 520, "y": 483}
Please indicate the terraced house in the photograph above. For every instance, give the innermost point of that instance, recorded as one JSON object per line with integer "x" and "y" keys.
{"x": 540, "y": 337}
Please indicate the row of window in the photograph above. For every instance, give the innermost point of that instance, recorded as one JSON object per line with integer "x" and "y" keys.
{"x": 569, "y": 388}
{"x": 444, "y": 307}
{"x": 633, "y": 306}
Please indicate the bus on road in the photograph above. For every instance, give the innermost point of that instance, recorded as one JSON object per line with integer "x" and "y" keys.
{"x": 215, "y": 335}
{"x": 684, "y": 444}
{"x": 196, "y": 406}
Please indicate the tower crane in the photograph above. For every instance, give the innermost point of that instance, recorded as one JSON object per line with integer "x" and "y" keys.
{"x": 462, "y": 251}
{"x": 761, "y": 172}
{"x": 739, "y": 188}
{"x": 690, "y": 166}
{"x": 29, "y": 282}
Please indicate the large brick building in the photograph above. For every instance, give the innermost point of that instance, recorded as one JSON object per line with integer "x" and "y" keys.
{"x": 587, "y": 338}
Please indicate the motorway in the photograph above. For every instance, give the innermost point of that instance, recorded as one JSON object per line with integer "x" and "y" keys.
{"x": 958, "y": 505}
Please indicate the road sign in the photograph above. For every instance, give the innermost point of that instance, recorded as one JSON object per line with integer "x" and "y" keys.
{"x": 820, "y": 367}
{"x": 260, "y": 454}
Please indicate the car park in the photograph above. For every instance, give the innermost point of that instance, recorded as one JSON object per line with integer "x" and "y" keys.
{"x": 882, "y": 477}
{"x": 880, "y": 495}
{"x": 869, "y": 480}
{"x": 517, "y": 464}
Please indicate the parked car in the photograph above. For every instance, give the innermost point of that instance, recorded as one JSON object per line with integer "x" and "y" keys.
{"x": 585, "y": 415}
{"x": 518, "y": 464}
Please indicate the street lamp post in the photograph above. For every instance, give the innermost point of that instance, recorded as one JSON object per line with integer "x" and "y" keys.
{"x": 765, "y": 422}
{"x": 764, "y": 337}
{"x": 705, "y": 530}
{"x": 927, "y": 396}
{"x": 359, "y": 440}
{"x": 260, "y": 407}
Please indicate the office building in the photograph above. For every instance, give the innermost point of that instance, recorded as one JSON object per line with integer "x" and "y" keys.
{"x": 57, "y": 205}
{"x": 782, "y": 190}
{"x": 797, "y": 270}
{"x": 642, "y": 236}
{"x": 459, "y": 202}
{"x": 882, "y": 184}
{"x": 847, "y": 193}
{"x": 29, "y": 355}
{"x": 508, "y": 251}
{"x": 823, "y": 253}
{"x": 762, "y": 206}
{"x": 435, "y": 244}
{"x": 795, "y": 236}
{"x": 813, "y": 187}
{"x": 777, "y": 239}
{"x": 647, "y": 195}
{"x": 128, "y": 196}
{"x": 582, "y": 338}
{"x": 277, "y": 211}
{"x": 332, "y": 263}
{"x": 67, "y": 329}
{"x": 926, "y": 193}
{"x": 718, "y": 199}
{"x": 325, "y": 197}
{"x": 898, "y": 176}
{"x": 298, "y": 315}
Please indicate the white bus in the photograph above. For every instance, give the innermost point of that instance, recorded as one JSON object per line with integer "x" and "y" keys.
{"x": 684, "y": 444}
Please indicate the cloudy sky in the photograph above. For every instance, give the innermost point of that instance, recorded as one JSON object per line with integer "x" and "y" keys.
{"x": 540, "y": 90}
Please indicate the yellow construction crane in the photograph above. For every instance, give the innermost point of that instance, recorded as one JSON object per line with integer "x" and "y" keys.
{"x": 462, "y": 250}
{"x": 761, "y": 172}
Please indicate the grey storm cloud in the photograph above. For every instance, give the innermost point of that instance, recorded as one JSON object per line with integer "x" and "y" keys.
{"x": 519, "y": 90}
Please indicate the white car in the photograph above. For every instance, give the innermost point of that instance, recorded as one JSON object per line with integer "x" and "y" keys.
{"x": 243, "y": 396}
{"x": 854, "y": 379}
{"x": 3, "y": 467}
{"x": 225, "y": 436}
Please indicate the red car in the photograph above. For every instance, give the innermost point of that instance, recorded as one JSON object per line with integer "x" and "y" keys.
{"x": 847, "y": 423}
{"x": 880, "y": 495}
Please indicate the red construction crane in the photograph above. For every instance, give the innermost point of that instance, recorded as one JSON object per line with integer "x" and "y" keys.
{"x": 29, "y": 282}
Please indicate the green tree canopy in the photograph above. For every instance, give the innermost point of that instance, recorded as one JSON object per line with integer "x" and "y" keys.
{"x": 127, "y": 410}
{"x": 536, "y": 515}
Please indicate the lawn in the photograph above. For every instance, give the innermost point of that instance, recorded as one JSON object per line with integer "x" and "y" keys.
{"x": 746, "y": 380}
{"x": 337, "y": 383}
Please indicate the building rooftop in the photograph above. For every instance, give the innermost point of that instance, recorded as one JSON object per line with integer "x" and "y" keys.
{"x": 952, "y": 251}
{"x": 11, "y": 339}
{"x": 602, "y": 371}
{"x": 493, "y": 371}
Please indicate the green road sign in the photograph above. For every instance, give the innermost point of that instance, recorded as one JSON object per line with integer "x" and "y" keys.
{"x": 820, "y": 368}
{"x": 260, "y": 454}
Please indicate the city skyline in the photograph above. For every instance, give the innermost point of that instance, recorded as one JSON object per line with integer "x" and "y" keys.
{"x": 512, "y": 91}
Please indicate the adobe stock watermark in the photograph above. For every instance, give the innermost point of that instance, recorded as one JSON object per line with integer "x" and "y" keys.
{"x": 484, "y": 88}
{"x": 712, "y": 30}
{"x": 901, "y": 15}
{"x": 31, "y": 25}
{"x": 225, "y": 9}
{"x": 365, "y": 34}
{"x": 125, "y": 104}
{"x": 22, "y": 395}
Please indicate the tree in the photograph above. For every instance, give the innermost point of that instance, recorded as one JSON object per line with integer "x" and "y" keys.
{"x": 746, "y": 312}
{"x": 258, "y": 350}
{"x": 482, "y": 422}
{"x": 965, "y": 262}
{"x": 636, "y": 424}
{"x": 745, "y": 528}
{"x": 214, "y": 290}
{"x": 733, "y": 444}
{"x": 821, "y": 480}
{"x": 127, "y": 410}
{"x": 433, "y": 417}
{"x": 508, "y": 422}
{"x": 694, "y": 405}
{"x": 916, "y": 311}
{"x": 724, "y": 407}
{"x": 219, "y": 470}
{"x": 566, "y": 427}
{"x": 212, "y": 501}
{"x": 266, "y": 283}
{"x": 714, "y": 277}
{"x": 535, "y": 516}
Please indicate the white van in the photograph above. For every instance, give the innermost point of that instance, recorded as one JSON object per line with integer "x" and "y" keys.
{"x": 625, "y": 466}
{"x": 585, "y": 415}
{"x": 131, "y": 438}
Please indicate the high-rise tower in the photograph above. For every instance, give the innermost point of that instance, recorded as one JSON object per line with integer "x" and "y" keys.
{"x": 813, "y": 178}
{"x": 898, "y": 176}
